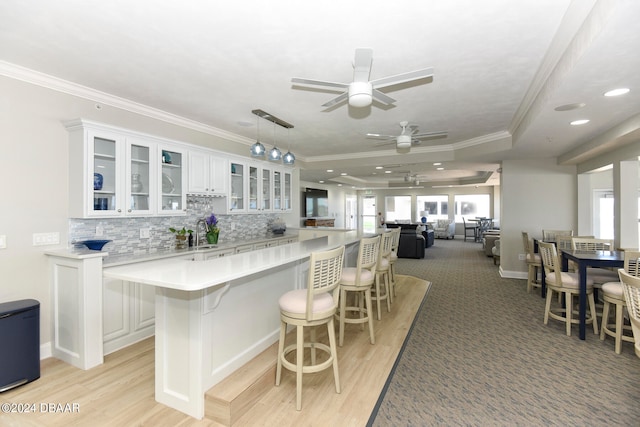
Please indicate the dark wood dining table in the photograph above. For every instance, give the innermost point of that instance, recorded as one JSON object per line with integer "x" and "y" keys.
{"x": 586, "y": 259}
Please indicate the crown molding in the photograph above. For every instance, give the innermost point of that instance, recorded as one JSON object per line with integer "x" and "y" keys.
{"x": 27, "y": 75}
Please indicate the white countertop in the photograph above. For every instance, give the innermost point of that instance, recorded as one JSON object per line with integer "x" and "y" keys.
{"x": 187, "y": 275}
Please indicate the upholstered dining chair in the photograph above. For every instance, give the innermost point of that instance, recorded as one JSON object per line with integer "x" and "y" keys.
{"x": 357, "y": 282}
{"x": 307, "y": 308}
{"x": 598, "y": 275}
{"x": 631, "y": 289}
{"x": 567, "y": 284}
{"x": 533, "y": 262}
{"x": 382, "y": 285}
{"x": 613, "y": 294}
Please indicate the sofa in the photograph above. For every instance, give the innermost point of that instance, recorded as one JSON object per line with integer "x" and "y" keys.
{"x": 411, "y": 244}
{"x": 444, "y": 228}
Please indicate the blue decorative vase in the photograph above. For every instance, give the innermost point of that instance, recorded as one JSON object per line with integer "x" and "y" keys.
{"x": 424, "y": 219}
{"x": 97, "y": 181}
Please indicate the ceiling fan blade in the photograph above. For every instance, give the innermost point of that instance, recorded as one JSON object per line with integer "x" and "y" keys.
{"x": 379, "y": 96}
{"x": 402, "y": 78}
{"x": 385, "y": 143}
{"x": 336, "y": 100}
{"x": 319, "y": 83}
{"x": 426, "y": 135}
{"x": 362, "y": 65}
{"x": 378, "y": 136}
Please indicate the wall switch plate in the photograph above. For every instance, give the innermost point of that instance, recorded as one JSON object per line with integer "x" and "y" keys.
{"x": 145, "y": 233}
{"x": 3, "y": 241}
{"x": 42, "y": 239}
{"x": 522, "y": 257}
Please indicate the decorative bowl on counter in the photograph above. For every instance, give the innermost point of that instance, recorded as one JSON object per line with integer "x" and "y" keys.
{"x": 278, "y": 228}
{"x": 95, "y": 245}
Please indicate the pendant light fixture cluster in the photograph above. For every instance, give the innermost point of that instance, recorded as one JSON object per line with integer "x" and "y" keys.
{"x": 274, "y": 155}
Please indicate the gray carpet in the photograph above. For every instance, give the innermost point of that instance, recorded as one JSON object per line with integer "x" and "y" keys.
{"x": 479, "y": 355}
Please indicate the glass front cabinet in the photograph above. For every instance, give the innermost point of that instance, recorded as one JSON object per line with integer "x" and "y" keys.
{"x": 237, "y": 186}
{"x": 260, "y": 184}
{"x": 115, "y": 174}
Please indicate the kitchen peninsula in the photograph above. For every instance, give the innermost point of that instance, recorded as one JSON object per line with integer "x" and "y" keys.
{"x": 213, "y": 316}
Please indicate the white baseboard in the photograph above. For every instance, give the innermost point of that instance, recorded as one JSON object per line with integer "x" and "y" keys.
{"x": 45, "y": 350}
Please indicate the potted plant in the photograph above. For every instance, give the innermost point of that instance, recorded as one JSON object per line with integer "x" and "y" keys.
{"x": 212, "y": 229}
{"x": 181, "y": 236}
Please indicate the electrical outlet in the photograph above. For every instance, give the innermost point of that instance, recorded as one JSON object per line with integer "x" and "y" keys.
{"x": 43, "y": 239}
{"x": 3, "y": 241}
{"x": 522, "y": 257}
{"x": 145, "y": 233}
{"x": 99, "y": 231}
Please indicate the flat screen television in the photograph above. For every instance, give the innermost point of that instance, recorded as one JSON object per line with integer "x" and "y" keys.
{"x": 316, "y": 202}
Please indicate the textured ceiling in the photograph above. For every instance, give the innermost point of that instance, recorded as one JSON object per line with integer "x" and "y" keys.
{"x": 500, "y": 69}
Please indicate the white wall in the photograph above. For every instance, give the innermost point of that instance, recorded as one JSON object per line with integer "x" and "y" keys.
{"x": 34, "y": 177}
{"x": 536, "y": 194}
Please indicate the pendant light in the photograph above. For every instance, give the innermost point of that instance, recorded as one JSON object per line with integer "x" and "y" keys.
{"x": 275, "y": 154}
{"x": 257, "y": 149}
{"x": 289, "y": 158}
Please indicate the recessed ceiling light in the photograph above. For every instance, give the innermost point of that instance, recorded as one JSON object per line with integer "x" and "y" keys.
{"x": 321, "y": 182}
{"x": 329, "y": 170}
{"x": 617, "y": 92}
{"x": 387, "y": 171}
{"x": 440, "y": 169}
{"x": 569, "y": 107}
{"x": 378, "y": 167}
{"x": 339, "y": 185}
{"x": 437, "y": 164}
{"x": 579, "y": 122}
{"x": 343, "y": 173}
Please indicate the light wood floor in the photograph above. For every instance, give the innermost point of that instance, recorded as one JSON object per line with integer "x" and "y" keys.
{"x": 120, "y": 392}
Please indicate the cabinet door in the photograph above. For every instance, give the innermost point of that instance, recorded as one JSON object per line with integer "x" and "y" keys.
{"x": 286, "y": 191}
{"x": 115, "y": 313}
{"x": 267, "y": 202}
{"x": 143, "y": 302}
{"x": 140, "y": 177}
{"x": 171, "y": 180}
{"x": 198, "y": 172}
{"x": 237, "y": 187}
{"x": 254, "y": 188}
{"x": 104, "y": 197}
{"x": 218, "y": 175}
{"x": 277, "y": 190}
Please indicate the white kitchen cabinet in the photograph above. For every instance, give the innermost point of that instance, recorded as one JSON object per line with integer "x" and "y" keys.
{"x": 128, "y": 313}
{"x": 117, "y": 173}
{"x": 207, "y": 173}
{"x": 237, "y": 187}
{"x": 259, "y": 188}
{"x": 282, "y": 190}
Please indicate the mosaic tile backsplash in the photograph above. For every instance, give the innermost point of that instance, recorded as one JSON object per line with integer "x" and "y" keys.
{"x": 125, "y": 232}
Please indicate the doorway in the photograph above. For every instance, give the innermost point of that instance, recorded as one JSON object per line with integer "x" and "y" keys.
{"x": 369, "y": 214}
{"x": 351, "y": 213}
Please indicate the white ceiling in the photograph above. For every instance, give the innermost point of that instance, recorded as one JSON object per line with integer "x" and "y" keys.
{"x": 500, "y": 69}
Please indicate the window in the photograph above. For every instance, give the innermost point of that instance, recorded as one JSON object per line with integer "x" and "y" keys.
{"x": 472, "y": 205}
{"x": 398, "y": 208}
{"x": 434, "y": 207}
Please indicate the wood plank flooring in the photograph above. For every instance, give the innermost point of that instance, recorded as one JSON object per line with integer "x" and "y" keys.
{"x": 121, "y": 391}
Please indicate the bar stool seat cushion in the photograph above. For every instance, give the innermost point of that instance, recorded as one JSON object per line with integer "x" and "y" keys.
{"x": 614, "y": 290}
{"x": 296, "y": 302}
{"x": 349, "y": 276}
{"x": 569, "y": 280}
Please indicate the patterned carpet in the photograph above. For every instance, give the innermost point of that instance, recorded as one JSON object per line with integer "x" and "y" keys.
{"x": 479, "y": 355}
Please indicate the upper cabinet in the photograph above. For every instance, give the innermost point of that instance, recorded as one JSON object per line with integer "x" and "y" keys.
{"x": 114, "y": 173}
{"x": 282, "y": 191}
{"x": 237, "y": 187}
{"x": 207, "y": 173}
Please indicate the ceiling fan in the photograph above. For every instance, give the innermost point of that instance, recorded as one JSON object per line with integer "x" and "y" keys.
{"x": 361, "y": 91}
{"x": 407, "y": 137}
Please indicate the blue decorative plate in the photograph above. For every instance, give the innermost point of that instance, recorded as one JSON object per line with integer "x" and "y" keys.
{"x": 95, "y": 245}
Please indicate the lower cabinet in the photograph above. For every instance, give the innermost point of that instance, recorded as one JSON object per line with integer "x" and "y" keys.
{"x": 128, "y": 313}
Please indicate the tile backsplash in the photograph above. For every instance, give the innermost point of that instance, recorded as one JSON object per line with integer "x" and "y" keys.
{"x": 125, "y": 232}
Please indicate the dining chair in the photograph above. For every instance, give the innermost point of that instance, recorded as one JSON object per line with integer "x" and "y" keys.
{"x": 382, "y": 287}
{"x": 631, "y": 289}
{"x": 533, "y": 262}
{"x": 551, "y": 235}
{"x": 568, "y": 285}
{"x": 613, "y": 294}
{"x": 308, "y": 308}
{"x": 357, "y": 282}
{"x": 598, "y": 275}
{"x": 473, "y": 228}
{"x": 393, "y": 257}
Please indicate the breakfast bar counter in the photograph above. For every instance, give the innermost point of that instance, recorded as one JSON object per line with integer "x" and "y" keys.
{"x": 213, "y": 316}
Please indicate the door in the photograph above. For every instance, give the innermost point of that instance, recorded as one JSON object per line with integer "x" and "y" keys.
{"x": 351, "y": 213}
{"x": 369, "y": 214}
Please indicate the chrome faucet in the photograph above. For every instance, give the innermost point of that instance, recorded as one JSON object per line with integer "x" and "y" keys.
{"x": 204, "y": 223}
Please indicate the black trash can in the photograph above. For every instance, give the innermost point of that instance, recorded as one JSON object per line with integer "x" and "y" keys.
{"x": 19, "y": 343}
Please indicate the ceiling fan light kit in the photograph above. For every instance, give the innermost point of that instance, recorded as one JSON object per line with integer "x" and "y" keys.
{"x": 360, "y": 94}
{"x": 403, "y": 141}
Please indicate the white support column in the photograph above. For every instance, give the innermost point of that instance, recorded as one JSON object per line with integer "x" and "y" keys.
{"x": 625, "y": 178}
